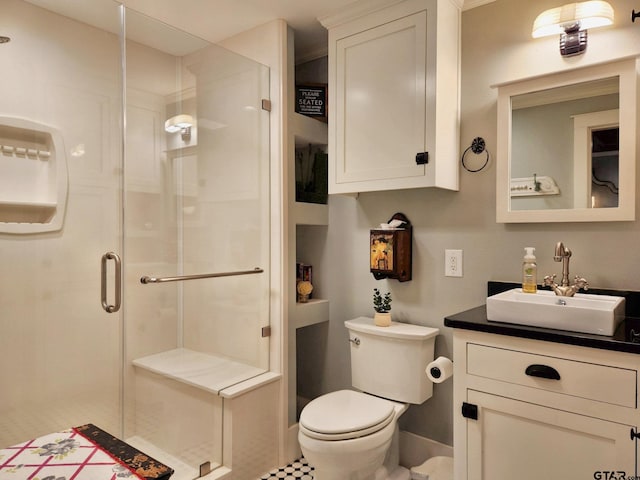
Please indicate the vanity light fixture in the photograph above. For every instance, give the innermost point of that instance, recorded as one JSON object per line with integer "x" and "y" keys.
{"x": 571, "y": 22}
{"x": 180, "y": 123}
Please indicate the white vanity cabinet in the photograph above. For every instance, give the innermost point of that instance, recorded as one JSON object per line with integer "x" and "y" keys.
{"x": 394, "y": 95}
{"x": 532, "y": 409}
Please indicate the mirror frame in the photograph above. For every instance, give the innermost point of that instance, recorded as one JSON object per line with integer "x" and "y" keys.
{"x": 626, "y": 70}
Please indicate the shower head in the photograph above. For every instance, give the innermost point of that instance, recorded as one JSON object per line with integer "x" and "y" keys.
{"x": 4, "y": 39}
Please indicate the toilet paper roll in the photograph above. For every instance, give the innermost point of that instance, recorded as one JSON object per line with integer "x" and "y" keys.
{"x": 440, "y": 369}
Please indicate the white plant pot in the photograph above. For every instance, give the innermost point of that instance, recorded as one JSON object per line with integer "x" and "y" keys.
{"x": 382, "y": 319}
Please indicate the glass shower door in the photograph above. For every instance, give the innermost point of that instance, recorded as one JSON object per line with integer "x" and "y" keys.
{"x": 86, "y": 170}
{"x": 60, "y": 211}
{"x": 197, "y": 206}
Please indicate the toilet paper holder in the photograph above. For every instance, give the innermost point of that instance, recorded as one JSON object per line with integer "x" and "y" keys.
{"x": 439, "y": 370}
{"x": 435, "y": 372}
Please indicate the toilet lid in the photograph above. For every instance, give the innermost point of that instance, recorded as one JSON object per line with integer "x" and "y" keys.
{"x": 346, "y": 414}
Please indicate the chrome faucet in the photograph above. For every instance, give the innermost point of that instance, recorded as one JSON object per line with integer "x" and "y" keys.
{"x": 563, "y": 254}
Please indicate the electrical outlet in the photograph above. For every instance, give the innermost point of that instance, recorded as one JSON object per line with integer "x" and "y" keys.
{"x": 453, "y": 263}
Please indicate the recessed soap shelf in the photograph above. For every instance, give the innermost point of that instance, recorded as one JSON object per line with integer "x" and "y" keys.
{"x": 10, "y": 150}
{"x": 33, "y": 177}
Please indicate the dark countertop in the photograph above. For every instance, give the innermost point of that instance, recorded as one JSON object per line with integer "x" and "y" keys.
{"x": 625, "y": 339}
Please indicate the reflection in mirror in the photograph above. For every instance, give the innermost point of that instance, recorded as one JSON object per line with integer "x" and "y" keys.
{"x": 604, "y": 167}
{"x": 567, "y": 146}
{"x": 551, "y": 139}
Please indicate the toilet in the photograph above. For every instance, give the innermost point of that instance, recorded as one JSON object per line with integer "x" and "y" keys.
{"x": 353, "y": 434}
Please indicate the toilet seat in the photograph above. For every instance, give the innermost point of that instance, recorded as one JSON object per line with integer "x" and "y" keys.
{"x": 344, "y": 415}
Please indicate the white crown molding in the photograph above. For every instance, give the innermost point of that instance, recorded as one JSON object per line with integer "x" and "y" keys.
{"x": 362, "y": 7}
{"x": 469, "y": 4}
{"x": 354, "y": 10}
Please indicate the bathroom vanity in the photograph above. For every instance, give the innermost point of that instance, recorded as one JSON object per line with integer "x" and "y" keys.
{"x": 533, "y": 403}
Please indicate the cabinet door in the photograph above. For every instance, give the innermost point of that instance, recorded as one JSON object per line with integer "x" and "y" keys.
{"x": 380, "y": 107}
{"x": 515, "y": 439}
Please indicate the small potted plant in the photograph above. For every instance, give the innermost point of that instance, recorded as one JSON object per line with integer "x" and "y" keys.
{"x": 382, "y": 306}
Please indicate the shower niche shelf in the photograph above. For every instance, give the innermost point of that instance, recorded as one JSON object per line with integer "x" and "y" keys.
{"x": 33, "y": 177}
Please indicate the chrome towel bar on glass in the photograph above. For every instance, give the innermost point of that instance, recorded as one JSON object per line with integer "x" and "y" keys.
{"x": 147, "y": 279}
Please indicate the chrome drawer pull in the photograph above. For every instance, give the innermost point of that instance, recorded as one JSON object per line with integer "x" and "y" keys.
{"x": 542, "y": 371}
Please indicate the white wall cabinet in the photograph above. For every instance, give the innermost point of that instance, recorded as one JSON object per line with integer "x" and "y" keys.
{"x": 513, "y": 424}
{"x": 394, "y": 96}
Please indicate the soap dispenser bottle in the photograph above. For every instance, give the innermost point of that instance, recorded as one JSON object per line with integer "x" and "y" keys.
{"x": 529, "y": 271}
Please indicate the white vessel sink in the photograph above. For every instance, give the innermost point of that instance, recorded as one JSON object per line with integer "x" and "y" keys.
{"x": 598, "y": 314}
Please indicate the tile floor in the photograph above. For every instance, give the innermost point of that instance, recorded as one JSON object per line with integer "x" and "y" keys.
{"x": 298, "y": 470}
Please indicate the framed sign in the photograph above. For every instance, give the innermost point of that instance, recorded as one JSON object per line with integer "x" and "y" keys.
{"x": 311, "y": 100}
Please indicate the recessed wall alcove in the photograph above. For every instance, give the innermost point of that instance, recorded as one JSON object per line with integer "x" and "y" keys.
{"x": 33, "y": 177}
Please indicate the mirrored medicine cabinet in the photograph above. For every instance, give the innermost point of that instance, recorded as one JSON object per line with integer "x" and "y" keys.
{"x": 567, "y": 146}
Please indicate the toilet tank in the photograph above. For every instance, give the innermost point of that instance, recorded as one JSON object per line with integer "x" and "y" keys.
{"x": 390, "y": 362}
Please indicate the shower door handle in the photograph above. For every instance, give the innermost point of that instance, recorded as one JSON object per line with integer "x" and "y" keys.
{"x": 118, "y": 274}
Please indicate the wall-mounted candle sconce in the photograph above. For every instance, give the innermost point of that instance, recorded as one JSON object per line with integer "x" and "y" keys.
{"x": 571, "y": 22}
{"x": 180, "y": 123}
{"x": 390, "y": 249}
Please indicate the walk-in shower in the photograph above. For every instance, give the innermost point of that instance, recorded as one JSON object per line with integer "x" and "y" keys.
{"x": 95, "y": 196}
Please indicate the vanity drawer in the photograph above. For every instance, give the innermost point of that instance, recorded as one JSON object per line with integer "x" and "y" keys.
{"x": 601, "y": 383}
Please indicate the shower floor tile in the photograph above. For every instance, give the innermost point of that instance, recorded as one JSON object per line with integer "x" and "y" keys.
{"x": 298, "y": 470}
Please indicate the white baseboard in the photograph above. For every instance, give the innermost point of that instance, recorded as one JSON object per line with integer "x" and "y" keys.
{"x": 415, "y": 450}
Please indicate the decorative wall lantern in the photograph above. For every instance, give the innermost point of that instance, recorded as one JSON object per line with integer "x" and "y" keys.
{"x": 390, "y": 249}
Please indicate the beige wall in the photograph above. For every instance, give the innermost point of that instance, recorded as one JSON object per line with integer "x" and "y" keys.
{"x": 496, "y": 47}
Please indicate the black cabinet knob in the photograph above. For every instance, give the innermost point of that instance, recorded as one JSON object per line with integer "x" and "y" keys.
{"x": 422, "y": 158}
